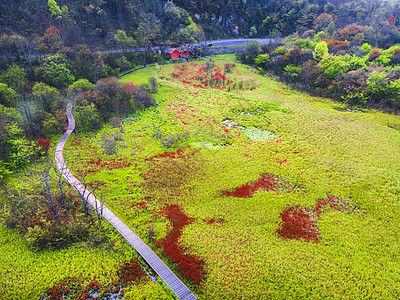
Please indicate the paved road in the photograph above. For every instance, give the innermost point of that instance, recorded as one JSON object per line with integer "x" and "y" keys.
{"x": 237, "y": 42}
{"x": 215, "y": 43}
{"x": 170, "y": 279}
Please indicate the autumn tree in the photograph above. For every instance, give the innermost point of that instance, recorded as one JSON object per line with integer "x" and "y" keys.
{"x": 322, "y": 21}
{"x": 51, "y": 40}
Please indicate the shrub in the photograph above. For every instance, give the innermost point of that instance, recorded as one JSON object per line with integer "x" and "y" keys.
{"x": 172, "y": 141}
{"x": 374, "y": 54}
{"x": 305, "y": 43}
{"x": 210, "y": 65}
{"x": 153, "y": 84}
{"x": 262, "y": 60}
{"x": 228, "y": 67}
{"x": 292, "y": 72}
{"x": 249, "y": 53}
{"x": 281, "y": 50}
{"x": 142, "y": 99}
{"x": 111, "y": 95}
{"x": 109, "y": 143}
{"x": 333, "y": 66}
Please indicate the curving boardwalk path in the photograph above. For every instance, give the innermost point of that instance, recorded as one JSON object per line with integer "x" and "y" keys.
{"x": 173, "y": 282}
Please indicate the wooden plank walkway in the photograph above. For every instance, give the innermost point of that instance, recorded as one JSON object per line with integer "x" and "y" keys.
{"x": 170, "y": 279}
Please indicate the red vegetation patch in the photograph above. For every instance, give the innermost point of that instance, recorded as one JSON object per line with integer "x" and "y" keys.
{"x": 336, "y": 203}
{"x": 96, "y": 165}
{"x": 214, "y": 221}
{"x": 97, "y": 184}
{"x": 140, "y": 205}
{"x": 183, "y": 152}
{"x": 170, "y": 175}
{"x": 190, "y": 266}
{"x": 130, "y": 272}
{"x": 45, "y": 144}
{"x": 298, "y": 223}
{"x": 301, "y": 222}
{"x": 267, "y": 182}
{"x": 199, "y": 77}
{"x": 73, "y": 288}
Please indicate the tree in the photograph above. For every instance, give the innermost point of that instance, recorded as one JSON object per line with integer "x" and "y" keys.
{"x": 14, "y": 77}
{"x": 82, "y": 85}
{"x": 253, "y": 31}
{"x": 87, "y": 117}
{"x": 51, "y": 40}
{"x": 377, "y": 85}
{"x": 322, "y": 21}
{"x": 54, "y": 72}
{"x": 320, "y": 51}
{"x": 12, "y": 45}
{"x": 180, "y": 24}
{"x": 8, "y": 97}
{"x": 149, "y": 30}
{"x": 54, "y": 9}
{"x": 57, "y": 12}
{"x": 123, "y": 41}
{"x": 15, "y": 149}
{"x": 54, "y": 123}
{"x": 46, "y": 97}
{"x": 82, "y": 62}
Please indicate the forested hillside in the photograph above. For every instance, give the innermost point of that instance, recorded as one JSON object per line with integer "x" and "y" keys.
{"x": 96, "y": 22}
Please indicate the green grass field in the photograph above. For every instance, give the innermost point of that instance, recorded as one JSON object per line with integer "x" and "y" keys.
{"x": 354, "y": 156}
{"x": 27, "y": 274}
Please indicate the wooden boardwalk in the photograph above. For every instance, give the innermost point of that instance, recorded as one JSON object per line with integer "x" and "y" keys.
{"x": 170, "y": 279}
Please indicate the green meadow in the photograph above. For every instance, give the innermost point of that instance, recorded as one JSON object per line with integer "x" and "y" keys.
{"x": 184, "y": 152}
{"x": 27, "y": 274}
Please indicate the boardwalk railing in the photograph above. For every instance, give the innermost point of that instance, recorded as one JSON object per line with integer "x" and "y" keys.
{"x": 162, "y": 270}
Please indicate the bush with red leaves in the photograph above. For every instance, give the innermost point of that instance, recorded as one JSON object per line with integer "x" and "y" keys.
{"x": 45, "y": 144}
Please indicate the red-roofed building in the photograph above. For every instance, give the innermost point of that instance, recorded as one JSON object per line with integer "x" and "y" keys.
{"x": 177, "y": 53}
